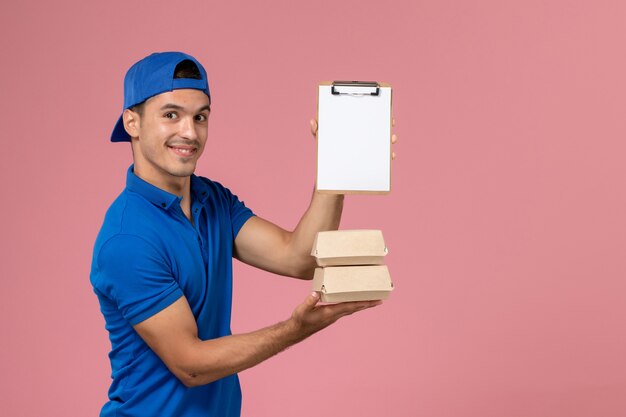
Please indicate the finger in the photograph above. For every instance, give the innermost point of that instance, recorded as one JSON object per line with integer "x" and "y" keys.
{"x": 343, "y": 309}
{"x": 311, "y": 300}
{"x": 393, "y": 121}
{"x": 356, "y": 309}
{"x": 393, "y": 155}
{"x": 365, "y": 305}
{"x": 313, "y": 124}
{"x": 394, "y": 138}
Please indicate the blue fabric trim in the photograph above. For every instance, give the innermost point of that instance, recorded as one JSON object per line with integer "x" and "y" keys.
{"x": 163, "y": 303}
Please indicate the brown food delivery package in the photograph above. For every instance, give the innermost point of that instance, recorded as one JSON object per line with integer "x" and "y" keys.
{"x": 349, "y": 247}
{"x": 352, "y": 283}
{"x": 352, "y": 266}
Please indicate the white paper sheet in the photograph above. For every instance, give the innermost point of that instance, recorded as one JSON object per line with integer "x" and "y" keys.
{"x": 354, "y": 142}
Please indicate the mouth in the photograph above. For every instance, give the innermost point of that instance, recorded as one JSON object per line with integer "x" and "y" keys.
{"x": 183, "y": 151}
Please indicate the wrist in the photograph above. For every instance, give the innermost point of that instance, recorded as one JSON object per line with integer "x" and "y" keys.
{"x": 295, "y": 331}
{"x": 328, "y": 194}
{"x": 331, "y": 199}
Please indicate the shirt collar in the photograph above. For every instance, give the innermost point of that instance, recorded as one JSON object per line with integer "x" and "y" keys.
{"x": 161, "y": 198}
{"x": 153, "y": 194}
{"x": 199, "y": 189}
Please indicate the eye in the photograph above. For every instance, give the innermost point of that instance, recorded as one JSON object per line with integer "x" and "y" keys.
{"x": 201, "y": 118}
{"x": 170, "y": 115}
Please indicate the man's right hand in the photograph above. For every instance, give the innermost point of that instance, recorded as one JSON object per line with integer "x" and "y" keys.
{"x": 311, "y": 317}
{"x": 172, "y": 334}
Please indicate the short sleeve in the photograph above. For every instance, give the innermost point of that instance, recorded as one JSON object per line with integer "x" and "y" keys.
{"x": 136, "y": 277}
{"x": 239, "y": 213}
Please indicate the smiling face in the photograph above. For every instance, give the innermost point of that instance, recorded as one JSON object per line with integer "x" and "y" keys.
{"x": 168, "y": 136}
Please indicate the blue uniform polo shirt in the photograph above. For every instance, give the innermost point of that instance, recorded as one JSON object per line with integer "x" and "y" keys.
{"x": 146, "y": 256}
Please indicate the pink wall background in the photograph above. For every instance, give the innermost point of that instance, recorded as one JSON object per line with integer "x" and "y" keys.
{"x": 506, "y": 226}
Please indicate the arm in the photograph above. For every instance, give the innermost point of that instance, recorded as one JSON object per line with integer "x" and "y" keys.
{"x": 172, "y": 334}
{"x": 264, "y": 245}
{"x": 269, "y": 247}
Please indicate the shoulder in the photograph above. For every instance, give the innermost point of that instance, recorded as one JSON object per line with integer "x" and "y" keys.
{"x": 212, "y": 185}
{"x": 127, "y": 260}
{"x": 131, "y": 225}
{"x": 130, "y": 213}
{"x": 215, "y": 190}
{"x": 120, "y": 250}
{"x": 224, "y": 203}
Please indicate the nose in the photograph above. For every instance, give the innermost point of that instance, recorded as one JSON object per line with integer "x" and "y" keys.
{"x": 188, "y": 129}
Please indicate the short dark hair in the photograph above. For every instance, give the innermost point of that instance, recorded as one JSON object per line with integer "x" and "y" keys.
{"x": 184, "y": 69}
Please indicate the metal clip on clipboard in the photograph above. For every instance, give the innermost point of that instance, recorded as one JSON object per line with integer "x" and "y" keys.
{"x": 355, "y": 88}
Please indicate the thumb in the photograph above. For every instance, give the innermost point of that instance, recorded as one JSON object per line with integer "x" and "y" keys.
{"x": 311, "y": 300}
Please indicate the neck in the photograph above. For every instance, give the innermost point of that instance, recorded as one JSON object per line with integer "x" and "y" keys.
{"x": 180, "y": 186}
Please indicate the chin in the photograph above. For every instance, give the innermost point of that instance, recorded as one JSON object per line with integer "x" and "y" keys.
{"x": 182, "y": 171}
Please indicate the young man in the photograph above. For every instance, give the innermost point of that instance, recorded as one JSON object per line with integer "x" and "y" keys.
{"x": 162, "y": 262}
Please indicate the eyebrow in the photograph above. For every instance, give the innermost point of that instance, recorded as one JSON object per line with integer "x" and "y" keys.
{"x": 172, "y": 106}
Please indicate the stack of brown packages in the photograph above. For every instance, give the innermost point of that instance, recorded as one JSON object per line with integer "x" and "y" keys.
{"x": 351, "y": 266}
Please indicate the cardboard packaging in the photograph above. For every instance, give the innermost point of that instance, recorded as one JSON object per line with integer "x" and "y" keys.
{"x": 351, "y": 266}
{"x": 349, "y": 247}
{"x": 352, "y": 283}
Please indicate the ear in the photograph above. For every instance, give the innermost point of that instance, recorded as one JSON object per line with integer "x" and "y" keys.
{"x": 131, "y": 123}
